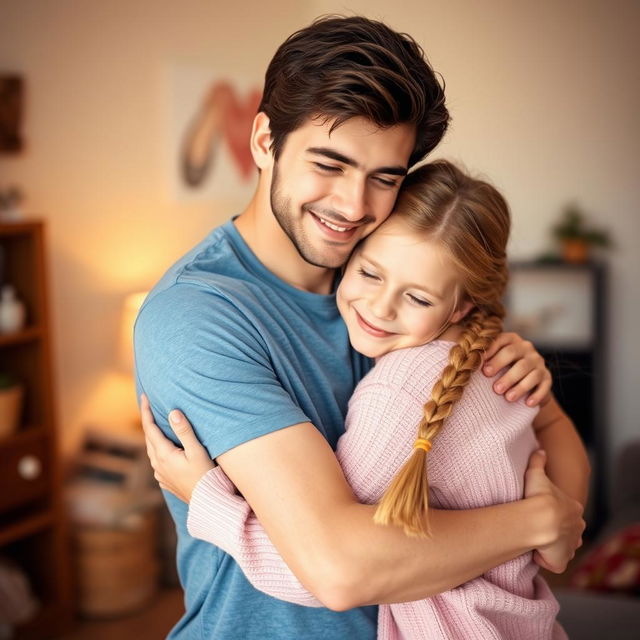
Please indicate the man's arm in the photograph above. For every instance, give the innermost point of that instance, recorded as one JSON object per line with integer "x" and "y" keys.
{"x": 219, "y": 516}
{"x": 527, "y": 374}
{"x": 567, "y": 462}
{"x": 332, "y": 545}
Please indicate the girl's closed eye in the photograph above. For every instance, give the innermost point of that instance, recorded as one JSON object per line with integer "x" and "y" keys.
{"x": 420, "y": 301}
{"x": 367, "y": 274}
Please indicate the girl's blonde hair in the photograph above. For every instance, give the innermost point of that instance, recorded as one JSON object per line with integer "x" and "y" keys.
{"x": 470, "y": 219}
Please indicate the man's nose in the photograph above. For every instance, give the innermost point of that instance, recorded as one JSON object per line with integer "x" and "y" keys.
{"x": 350, "y": 198}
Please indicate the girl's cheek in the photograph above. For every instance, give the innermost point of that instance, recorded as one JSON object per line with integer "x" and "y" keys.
{"x": 348, "y": 287}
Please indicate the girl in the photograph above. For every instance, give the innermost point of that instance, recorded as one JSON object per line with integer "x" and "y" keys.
{"x": 422, "y": 295}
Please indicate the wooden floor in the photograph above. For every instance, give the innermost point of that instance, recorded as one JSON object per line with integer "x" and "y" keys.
{"x": 154, "y": 622}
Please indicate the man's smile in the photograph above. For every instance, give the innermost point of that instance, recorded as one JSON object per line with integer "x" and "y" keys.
{"x": 332, "y": 230}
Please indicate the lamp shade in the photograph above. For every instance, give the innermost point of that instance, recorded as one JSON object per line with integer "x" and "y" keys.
{"x": 132, "y": 304}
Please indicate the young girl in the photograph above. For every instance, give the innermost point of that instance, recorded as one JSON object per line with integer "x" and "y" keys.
{"x": 423, "y": 296}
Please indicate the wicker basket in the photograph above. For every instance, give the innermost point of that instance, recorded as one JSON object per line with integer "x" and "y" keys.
{"x": 117, "y": 569}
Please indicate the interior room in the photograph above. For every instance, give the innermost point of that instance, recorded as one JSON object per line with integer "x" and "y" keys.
{"x": 98, "y": 198}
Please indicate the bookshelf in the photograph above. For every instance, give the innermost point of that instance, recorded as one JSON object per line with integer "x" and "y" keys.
{"x": 33, "y": 531}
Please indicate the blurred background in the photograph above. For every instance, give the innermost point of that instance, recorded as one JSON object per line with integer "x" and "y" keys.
{"x": 544, "y": 100}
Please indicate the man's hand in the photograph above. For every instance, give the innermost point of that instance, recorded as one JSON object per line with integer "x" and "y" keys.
{"x": 527, "y": 372}
{"x": 565, "y": 522}
{"x": 176, "y": 470}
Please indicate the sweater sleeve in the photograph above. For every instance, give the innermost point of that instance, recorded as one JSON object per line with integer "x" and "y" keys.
{"x": 218, "y": 516}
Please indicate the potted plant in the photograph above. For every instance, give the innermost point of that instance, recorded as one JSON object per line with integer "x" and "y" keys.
{"x": 11, "y": 395}
{"x": 576, "y": 237}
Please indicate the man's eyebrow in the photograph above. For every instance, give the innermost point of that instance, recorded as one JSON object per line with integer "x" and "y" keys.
{"x": 339, "y": 157}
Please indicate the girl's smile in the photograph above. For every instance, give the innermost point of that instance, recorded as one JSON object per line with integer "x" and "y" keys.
{"x": 368, "y": 327}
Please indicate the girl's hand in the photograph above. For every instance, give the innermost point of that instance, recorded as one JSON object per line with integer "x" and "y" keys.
{"x": 527, "y": 371}
{"x": 562, "y": 523}
{"x": 176, "y": 470}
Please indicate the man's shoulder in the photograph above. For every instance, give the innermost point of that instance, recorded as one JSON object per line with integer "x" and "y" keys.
{"x": 214, "y": 256}
{"x": 208, "y": 291}
{"x": 194, "y": 311}
{"x": 212, "y": 271}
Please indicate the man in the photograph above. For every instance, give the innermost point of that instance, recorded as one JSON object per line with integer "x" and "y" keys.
{"x": 243, "y": 335}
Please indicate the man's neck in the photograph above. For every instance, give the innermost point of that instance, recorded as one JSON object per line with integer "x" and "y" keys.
{"x": 265, "y": 237}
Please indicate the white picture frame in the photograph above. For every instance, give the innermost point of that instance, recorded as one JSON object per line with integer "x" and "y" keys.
{"x": 552, "y": 305}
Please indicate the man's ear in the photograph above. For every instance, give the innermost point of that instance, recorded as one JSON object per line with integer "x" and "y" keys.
{"x": 464, "y": 309}
{"x": 261, "y": 141}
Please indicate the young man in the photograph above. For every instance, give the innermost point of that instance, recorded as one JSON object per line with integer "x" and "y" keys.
{"x": 243, "y": 335}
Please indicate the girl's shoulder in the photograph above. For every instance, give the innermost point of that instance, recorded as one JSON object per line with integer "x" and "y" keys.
{"x": 422, "y": 362}
{"x": 433, "y": 351}
{"x": 413, "y": 372}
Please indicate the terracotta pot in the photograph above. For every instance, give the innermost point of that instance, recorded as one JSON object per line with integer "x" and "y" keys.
{"x": 575, "y": 251}
{"x": 10, "y": 410}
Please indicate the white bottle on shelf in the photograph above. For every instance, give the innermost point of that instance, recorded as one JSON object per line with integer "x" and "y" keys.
{"x": 12, "y": 310}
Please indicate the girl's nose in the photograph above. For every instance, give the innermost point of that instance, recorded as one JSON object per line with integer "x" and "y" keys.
{"x": 382, "y": 306}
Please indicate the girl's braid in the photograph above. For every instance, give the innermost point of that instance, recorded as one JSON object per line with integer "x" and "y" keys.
{"x": 406, "y": 501}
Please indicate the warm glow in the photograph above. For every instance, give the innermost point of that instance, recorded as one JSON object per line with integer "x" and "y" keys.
{"x": 132, "y": 304}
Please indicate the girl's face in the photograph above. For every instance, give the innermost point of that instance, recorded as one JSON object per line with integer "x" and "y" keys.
{"x": 399, "y": 290}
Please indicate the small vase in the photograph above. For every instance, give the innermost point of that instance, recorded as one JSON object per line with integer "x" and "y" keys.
{"x": 12, "y": 311}
{"x": 10, "y": 410}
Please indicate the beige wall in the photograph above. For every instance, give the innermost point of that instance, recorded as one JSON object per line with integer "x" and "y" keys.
{"x": 542, "y": 96}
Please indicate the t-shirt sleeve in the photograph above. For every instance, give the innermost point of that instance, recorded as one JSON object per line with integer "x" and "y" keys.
{"x": 198, "y": 352}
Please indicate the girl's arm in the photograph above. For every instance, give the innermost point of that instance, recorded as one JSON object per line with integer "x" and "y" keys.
{"x": 219, "y": 516}
{"x": 216, "y": 513}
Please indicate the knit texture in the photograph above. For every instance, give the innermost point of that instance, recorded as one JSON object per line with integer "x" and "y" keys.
{"x": 478, "y": 459}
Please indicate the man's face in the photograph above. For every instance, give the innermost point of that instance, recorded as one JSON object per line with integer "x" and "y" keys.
{"x": 330, "y": 191}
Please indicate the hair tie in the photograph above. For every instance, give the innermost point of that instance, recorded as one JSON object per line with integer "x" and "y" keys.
{"x": 422, "y": 443}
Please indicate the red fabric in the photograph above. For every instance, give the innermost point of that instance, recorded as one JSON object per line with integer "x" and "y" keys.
{"x": 613, "y": 565}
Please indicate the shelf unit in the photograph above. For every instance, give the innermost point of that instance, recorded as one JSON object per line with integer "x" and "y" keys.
{"x": 33, "y": 530}
{"x": 569, "y": 301}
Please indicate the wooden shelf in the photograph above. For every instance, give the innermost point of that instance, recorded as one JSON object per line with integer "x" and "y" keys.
{"x": 18, "y": 228}
{"x": 26, "y": 526}
{"x": 32, "y": 510}
{"x": 21, "y": 337}
{"x": 48, "y": 622}
{"x": 26, "y": 433}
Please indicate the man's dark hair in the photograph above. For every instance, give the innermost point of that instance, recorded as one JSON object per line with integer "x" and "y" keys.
{"x": 340, "y": 68}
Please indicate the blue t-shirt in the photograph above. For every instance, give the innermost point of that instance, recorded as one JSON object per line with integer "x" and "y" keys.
{"x": 243, "y": 354}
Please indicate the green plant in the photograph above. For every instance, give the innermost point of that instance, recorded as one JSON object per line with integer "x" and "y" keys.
{"x": 7, "y": 380}
{"x": 572, "y": 226}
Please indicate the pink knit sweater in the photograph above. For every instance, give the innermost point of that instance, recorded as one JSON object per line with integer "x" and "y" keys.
{"x": 478, "y": 459}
